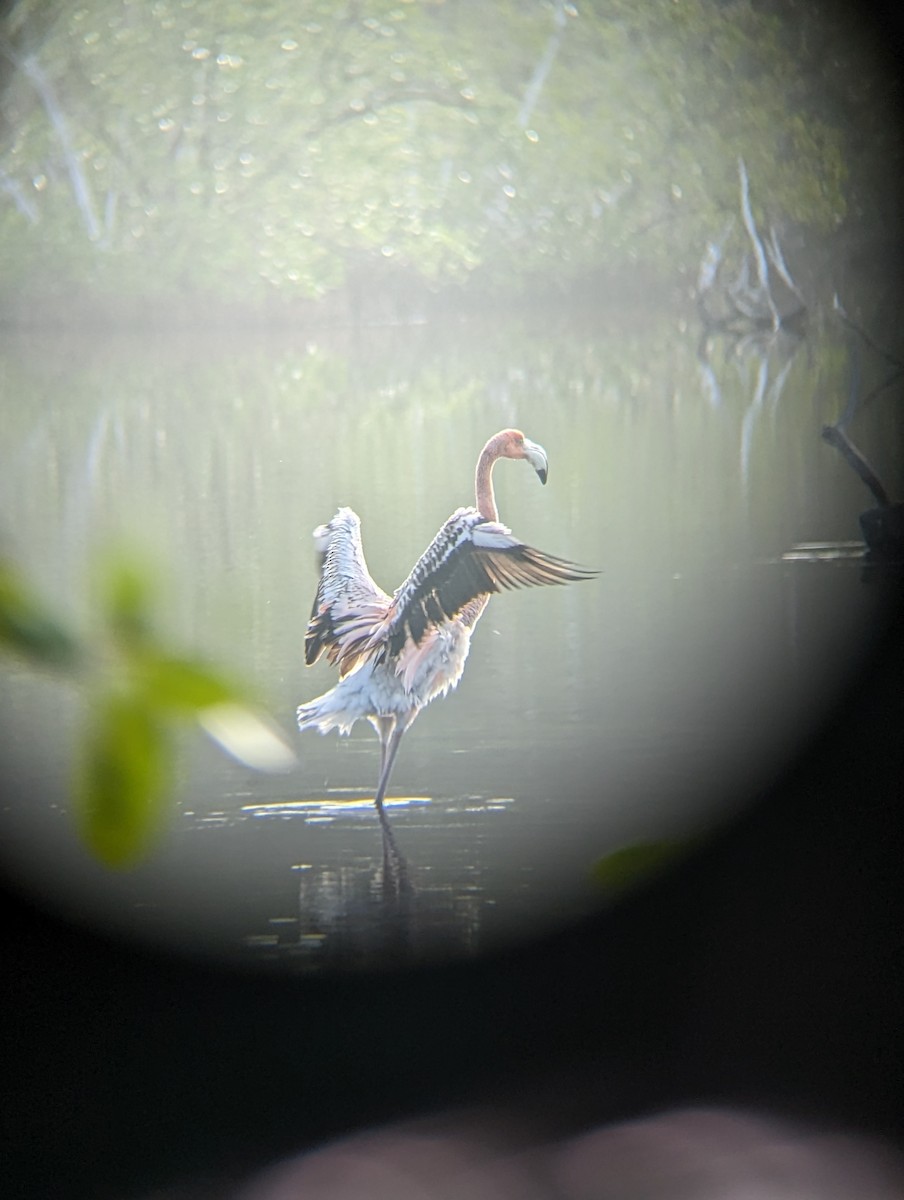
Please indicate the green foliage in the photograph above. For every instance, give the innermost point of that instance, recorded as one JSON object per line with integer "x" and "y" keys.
{"x": 180, "y": 685}
{"x": 245, "y": 151}
{"x": 124, "y": 769}
{"x": 124, "y": 589}
{"x": 27, "y": 628}
{"x": 136, "y": 691}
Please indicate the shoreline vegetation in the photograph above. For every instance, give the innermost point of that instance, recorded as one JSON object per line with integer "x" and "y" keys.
{"x": 858, "y": 260}
{"x": 209, "y": 162}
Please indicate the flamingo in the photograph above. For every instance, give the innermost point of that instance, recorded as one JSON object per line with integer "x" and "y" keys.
{"x": 397, "y": 653}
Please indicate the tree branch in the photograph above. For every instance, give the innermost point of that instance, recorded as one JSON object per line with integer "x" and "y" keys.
{"x": 543, "y": 67}
{"x": 762, "y": 264}
{"x": 23, "y": 203}
{"x": 861, "y": 332}
{"x": 839, "y": 439}
{"x": 34, "y": 72}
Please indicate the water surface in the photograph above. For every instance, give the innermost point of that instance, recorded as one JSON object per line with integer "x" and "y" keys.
{"x": 651, "y": 702}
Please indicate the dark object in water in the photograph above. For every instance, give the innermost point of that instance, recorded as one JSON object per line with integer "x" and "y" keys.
{"x": 883, "y": 530}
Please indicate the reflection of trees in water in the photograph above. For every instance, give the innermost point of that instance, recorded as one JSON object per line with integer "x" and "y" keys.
{"x": 761, "y": 361}
{"x": 757, "y": 309}
{"x": 762, "y": 355}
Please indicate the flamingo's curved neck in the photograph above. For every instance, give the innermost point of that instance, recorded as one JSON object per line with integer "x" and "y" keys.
{"x": 483, "y": 483}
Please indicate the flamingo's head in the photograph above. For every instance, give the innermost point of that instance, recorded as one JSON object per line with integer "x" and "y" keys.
{"x": 513, "y": 444}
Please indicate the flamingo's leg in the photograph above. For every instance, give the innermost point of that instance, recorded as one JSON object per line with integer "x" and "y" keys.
{"x": 389, "y": 750}
{"x": 384, "y": 727}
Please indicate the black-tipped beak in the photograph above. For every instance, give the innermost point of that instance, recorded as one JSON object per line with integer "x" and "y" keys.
{"x": 536, "y": 456}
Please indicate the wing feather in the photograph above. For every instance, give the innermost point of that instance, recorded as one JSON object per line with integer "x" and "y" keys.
{"x": 349, "y": 606}
{"x": 469, "y": 558}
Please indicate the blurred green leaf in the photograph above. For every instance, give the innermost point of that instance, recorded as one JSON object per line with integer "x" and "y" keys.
{"x": 137, "y": 691}
{"x": 122, "y": 782}
{"x": 633, "y": 865}
{"x": 126, "y": 588}
{"x": 184, "y": 685}
{"x": 27, "y": 628}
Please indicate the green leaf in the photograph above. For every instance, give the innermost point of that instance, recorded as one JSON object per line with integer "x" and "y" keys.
{"x": 632, "y": 865}
{"x": 122, "y": 779}
{"x": 126, "y": 589}
{"x": 27, "y": 628}
{"x": 184, "y": 685}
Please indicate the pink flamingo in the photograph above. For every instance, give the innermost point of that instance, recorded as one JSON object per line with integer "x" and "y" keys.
{"x": 397, "y": 653}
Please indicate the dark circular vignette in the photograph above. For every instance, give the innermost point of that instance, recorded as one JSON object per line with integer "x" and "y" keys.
{"x": 762, "y": 969}
{"x": 759, "y": 971}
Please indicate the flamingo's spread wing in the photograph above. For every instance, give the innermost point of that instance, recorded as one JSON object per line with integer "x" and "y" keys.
{"x": 469, "y": 558}
{"x": 348, "y": 606}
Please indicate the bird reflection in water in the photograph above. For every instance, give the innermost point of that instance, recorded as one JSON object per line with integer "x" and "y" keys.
{"x": 396, "y": 881}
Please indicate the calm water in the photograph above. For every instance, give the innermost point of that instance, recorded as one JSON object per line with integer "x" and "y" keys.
{"x": 645, "y": 704}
